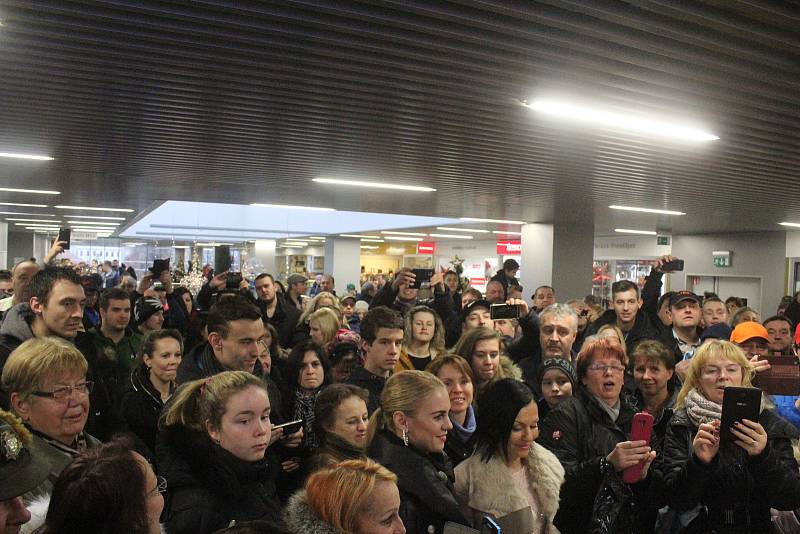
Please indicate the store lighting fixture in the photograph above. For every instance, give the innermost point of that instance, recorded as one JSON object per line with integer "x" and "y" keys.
{"x": 620, "y": 120}
{"x": 23, "y": 205}
{"x": 25, "y": 156}
{"x": 34, "y": 191}
{"x": 360, "y": 236}
{"x": 640, "y": 232}
{"x": 315, "y": 238}
{"x": 97, "y": 217}
{"x": 372, "y": 240}
{"x": 35, "y": 224}
{"x": 298, "y": 243}
{"x": 369, "y": 247}
{"x": 375, "y": 185}
{"x": 451, "y": 236}
{"x": 214, "y": 244}
{"x": 505, "y": 232}
{"x": 499, "y": 221}
{"x": 402, "y": 233}
{"x": 390, "y": 238}
{"x": 90, "y": 208}
{"x": 94, "y": 223}
{"x": 53, "y": 229}
{"x": 26, "y": 213}
{"x": 93, "y": 230}
{"x": 181, "y": 246}
{"x": 793, "y": 225}
{"x": 470, "y": 230}
{"x": 290, "y": 207}
{"x": 33, "y": 220}
{"x": 133, "y": 244}
{"x": 287, "y": 246}
{"x": 646, "y": 210}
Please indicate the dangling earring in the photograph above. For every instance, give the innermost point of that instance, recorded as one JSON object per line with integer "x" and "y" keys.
{"x": 405, "y": 436}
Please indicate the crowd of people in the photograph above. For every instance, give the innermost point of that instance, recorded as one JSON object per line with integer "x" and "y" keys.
{"x": 271, "y": 408}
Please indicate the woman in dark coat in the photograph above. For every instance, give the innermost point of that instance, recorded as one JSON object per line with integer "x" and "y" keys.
{"x": 341, "y": 420}
{"x": 456, "y": 374}
{"x": 731, "y": 486}
{"x": 408, "y": 435}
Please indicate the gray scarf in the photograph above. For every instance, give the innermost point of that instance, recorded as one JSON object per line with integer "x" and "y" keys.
{"x": 701, "y": 410}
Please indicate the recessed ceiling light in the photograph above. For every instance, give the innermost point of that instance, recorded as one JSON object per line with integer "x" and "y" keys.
{"x": 54, "y": 228}
{"x": 390, "y": 238}
{"x": 26, "y": 213}
{"x": 376, "y": 185}
{"x": 25, "y": 156}
{"x": 470, "y": 230}
{"x": 35, "y": 224}
{"x": 25, "y": 205}
{"x": 97, "y": 217}
{"x": 621, "y": 120}
{"x": 94, "y": 223}
{"x": 369, "y": 247}
{"x": 34, "y": 220}
{"x": 214, "y": 244}
{"x": 646, "y": 210}
{"x": 626, "y": 231}
{"x": 793, "y": 225}
{"x": 372, "y": 240}
{"x": 505, "y": 232}
{"x": 133, "y": 244}
{"x": 287, "y": 246}
{"x": 126, "y": 210}
{"x": 288, "y": 207}
{"x": 298, "y": 243}
{"x": 403, "y": 233}
{"x": 451, "y": 236}
{"x": 34, "y": 191}
{"x": 181, "y": 246}
{"x": 500, "y": 221}
{"x": 360, "y": 236}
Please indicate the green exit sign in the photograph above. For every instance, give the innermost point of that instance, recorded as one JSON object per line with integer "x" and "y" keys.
{"x": 722, "y": 260}
{"x": 662, "y": 240}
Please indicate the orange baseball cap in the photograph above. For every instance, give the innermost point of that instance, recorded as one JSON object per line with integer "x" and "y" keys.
{"x": 748, "y": 330}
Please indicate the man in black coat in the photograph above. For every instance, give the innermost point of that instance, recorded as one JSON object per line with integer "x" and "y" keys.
{"x": 507, "y": 275}
{"x": 276, "y": 311}
{"x": 627, "y": 315}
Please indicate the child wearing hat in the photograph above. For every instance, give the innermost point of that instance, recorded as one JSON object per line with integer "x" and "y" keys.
{"x": 557, "y": 381}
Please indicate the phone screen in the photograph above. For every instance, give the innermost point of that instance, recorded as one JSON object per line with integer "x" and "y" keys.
{"x": 64, "y": 234}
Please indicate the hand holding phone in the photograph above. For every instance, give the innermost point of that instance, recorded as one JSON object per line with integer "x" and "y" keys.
{"x": 641, "y": 430}
{"x": 64, "y": 235}
{"x": 422, "y": 278}
{"x": 504, "y": 311}
{"x": 289, "y": 428}
{"x": 738, "y": 403}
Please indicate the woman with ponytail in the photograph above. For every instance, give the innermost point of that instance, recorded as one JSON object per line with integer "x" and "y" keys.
{"x": 407, "y": 435}
{"x": 212, "y": 440}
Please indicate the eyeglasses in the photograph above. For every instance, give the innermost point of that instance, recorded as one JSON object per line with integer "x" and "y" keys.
{"x": 65, "y": 392}
{"x": 161, "y": 486}
{"x": 602, "y": 368}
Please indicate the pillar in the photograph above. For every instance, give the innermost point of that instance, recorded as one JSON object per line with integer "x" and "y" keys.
{"x": 343, "y": 261}
{"x": 264, "y": 257}
{"x": 537, "y": 257}
{"x": 4, "y": 245}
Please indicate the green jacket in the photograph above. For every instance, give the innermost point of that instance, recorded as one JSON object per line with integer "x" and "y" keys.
{"x": 122, "y": 355}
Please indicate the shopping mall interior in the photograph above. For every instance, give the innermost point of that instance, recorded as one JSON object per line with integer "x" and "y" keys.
{"x": 584, "y": 139}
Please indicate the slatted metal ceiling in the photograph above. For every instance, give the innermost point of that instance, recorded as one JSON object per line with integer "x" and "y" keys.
{"x": 247, "y": 101}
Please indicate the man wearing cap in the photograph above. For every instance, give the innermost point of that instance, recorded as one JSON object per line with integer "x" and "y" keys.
{"x": 276, "y": 311}
{"x": 148, "y": 313}
{"x": 22, "y": 469}
{"x": 753, "y": 339}
{"x": 295, "y": 289}
{"x": 507, "y": 275}
{"x": 684, "y": 336}
{"x": 348, "y": 303}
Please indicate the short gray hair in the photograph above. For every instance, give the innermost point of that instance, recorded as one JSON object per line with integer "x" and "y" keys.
{"x": 559, "y": 310}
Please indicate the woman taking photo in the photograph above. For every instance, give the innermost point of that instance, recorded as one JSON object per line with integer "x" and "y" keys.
{"x": 510, "y": 476}
{"x": 481, "y": 347}
{"x": 423, "y": 339}
{"x": 407, "y": 436}
{"x": 589, "y": 433}
{"x": 734, "y": 483}
{"x": 456, "y": 375}
{"x": 45, "y": 379}
{"x": 152, "y": 384}
{"x": 211, "y": 450}
{"x": 355, "y": 496}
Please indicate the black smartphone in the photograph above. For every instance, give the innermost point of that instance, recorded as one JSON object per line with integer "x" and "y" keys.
{"x": 672, "y": 266}
{"x": 159, "y": 266}
{"x": 738, "y": 403}
{"x": 490, "y": 526}
{"x": 504, "y": 311}
{"x": 423, "y": 276}
{"x": 289, "y": 428}
{"x": 233, "y": 280}
{"x": 64, "y": 234}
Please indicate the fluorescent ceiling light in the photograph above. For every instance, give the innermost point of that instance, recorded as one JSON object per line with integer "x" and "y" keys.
{"x": 500, "y": 221}
{"x": 288, "y": 207}
{"x": 97, "y": 217}
{"x": 53, "y": 229}
{"x": 369, "y": 247}
{"x": 214, "y": 244}
{"x": 621, "y": 120}
{"x": 94, "y": 223}
{"x": 403, "y": 233}
{"x": 390, "y": 238}
{"x": 25, "y": 156}
{"x": 132, "y": 244}
{"x": 93, "y": 230}
{"x": 34, "y": 220}
{"x": 793, "y": 225}
{"x": 315, "y": 238}
{"x": 298, "y": 243}
{"x": 287, "y": 246}
{"x": 126, "y": 210}
{"x": 503, "y": 232}
{"x": 471, "y": 230}
{"x": 373, "y": 240}
{"x": 376, "y": 185}
{"x": 35, "y": 224}
{"x": 626, "y": 231}
{"x": 646, "y": 210}
{"x": 181, "y": 246}
{"x": 26, "y": 213}
{"x": 34, "y": 191}
{"x": 360, "y": 236}
{"x": 26, "y": 205}
{"x": 451, "y": 236}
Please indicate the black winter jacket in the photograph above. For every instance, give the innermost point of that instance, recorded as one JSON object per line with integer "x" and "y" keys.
{"x": 425, "y": 482}
{"x": 284, "y": 320}
{"x": 372, "y": 383}
{"x": 141, "y": 408}
{"x": 642, "y": 328}
{"x": 734, "y": 488}
{"x": 207, "y": 487}
{"x": 199, "y": 363}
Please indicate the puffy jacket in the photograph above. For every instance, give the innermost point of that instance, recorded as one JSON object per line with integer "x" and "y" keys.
{"x": 642, "y": 328}
{"x": 736, "y": 490}
{"x": 425, "y": 482}
{"x": 15, "y": 330}
{"x": 140, "y": 409}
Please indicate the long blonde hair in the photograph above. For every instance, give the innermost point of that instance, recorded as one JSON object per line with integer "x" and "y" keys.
{"x": 717, "y": 349}
{"x": 313, "y": 305}
{"x": 328, "y": 322}
{"x": 403, "y": 392}
{"x": 436, "y": 343}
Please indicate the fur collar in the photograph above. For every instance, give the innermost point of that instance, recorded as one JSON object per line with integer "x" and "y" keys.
{"x": 488, "y": 486}
{"x": 301, "y": 519}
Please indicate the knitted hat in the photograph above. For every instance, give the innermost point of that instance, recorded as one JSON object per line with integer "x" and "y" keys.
{"x": 145, "y": 308}
{"x": 562, "y": 365}
{"x": 717, "y": 331}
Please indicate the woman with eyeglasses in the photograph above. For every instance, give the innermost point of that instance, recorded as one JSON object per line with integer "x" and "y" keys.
{"x": 106, "y": 490}
{"x": 482, "y": 348}
{"x": 45, "y": 379}
{"x": 590, "y": 435}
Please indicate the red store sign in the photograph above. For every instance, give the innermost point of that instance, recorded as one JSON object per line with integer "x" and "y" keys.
{"x": 426, "y": 248}
{"x": 509, "y": 247}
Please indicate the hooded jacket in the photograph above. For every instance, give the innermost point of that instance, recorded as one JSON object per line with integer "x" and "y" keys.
{"x": 141, "y": 407}
{"x": 487, "y": 488}
{"x": 301, "y": 519}
{"x": 15, "y": 330}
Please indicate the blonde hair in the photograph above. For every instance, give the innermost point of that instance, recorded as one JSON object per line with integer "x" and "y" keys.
{"x": 38, "y": 358}
{"x": 437, "y": 341}
{"x": 337, "y": 494}
{"x": 328, "y": 321}
{"x": 403, "y": 392}
{"x": 313, "y": 305}
{"x": 204, "y": 400}
{"x": 616, "y": 330}
{"x": 717, "y": 349}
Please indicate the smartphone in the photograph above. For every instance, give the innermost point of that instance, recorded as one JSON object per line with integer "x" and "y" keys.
{"x": 289, "y": 428}
{"x": 64, "y": 234}
{"x": 504, "y": 311}
{"x": 641, "y": 430}
{"x": 738, "y": 403}
{"x": 233, "y": 280}
{"x": 672, "y": 266}
{"x": 490, "y": 526}
{"x": 422, "y": 276}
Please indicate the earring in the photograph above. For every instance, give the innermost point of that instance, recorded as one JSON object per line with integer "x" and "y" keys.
{"x": 405, "y": 436}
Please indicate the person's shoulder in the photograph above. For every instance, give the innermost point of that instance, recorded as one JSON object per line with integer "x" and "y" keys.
{"x": 776, "y": 426}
